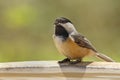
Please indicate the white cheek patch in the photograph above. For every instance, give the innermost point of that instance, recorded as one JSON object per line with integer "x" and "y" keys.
{"x": 69, "y": 27}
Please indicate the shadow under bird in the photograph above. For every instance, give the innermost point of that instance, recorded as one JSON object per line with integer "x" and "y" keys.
{"x": 72, "y": 44}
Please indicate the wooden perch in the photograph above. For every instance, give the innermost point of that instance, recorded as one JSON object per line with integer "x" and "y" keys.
{"x": 52, "y": 69}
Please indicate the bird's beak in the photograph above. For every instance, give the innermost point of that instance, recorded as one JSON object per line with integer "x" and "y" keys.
{"x": 56, "y": 22}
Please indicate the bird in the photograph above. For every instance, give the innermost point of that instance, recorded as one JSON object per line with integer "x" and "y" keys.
{"x": 73, "y": 45}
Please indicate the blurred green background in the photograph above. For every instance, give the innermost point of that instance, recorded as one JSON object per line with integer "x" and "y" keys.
{"x": 26, "y": 27}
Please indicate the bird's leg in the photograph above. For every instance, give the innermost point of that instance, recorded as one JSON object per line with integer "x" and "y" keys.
{"x": 77, "y": 61}
{"x": 64, "y": 60}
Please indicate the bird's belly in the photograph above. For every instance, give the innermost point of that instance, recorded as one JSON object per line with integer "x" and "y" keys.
{"x": 71, "y": 50}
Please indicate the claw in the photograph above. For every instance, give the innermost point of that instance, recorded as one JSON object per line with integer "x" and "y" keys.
{"x": 64, "y": 60}
{"x": 75, "y": 62}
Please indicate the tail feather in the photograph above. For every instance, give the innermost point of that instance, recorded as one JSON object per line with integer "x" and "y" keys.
{"x": 104, "y": 57}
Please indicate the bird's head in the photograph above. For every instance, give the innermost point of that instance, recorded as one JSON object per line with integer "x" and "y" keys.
{"x": 63, "y": 27}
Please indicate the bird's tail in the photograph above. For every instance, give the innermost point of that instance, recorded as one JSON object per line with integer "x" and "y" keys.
{"x": 104, "y": 57}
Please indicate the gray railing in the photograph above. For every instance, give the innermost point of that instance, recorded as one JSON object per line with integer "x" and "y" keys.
{"x": 51, "y": 70}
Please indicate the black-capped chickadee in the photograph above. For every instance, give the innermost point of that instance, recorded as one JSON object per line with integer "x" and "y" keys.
{"x": 72, "y": 44}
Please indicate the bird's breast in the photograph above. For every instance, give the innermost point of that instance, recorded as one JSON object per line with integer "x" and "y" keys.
{"x": 70, "y": 49}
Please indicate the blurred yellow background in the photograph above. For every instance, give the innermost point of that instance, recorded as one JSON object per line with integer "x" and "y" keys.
{"x": 26, "y": 27}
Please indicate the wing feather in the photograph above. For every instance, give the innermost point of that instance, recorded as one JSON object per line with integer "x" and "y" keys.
{"x": 82, "y": 41}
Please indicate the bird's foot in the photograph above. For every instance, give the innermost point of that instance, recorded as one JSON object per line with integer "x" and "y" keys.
{"x": 75, "y": 62}
{"x": 64, "y": 60}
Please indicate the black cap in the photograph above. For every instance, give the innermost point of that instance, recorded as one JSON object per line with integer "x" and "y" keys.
{"x": 62, "y": 20}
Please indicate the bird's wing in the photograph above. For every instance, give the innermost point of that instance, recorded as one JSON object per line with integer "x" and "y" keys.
{"x": 82, "y": 41}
